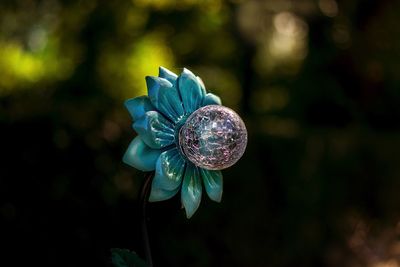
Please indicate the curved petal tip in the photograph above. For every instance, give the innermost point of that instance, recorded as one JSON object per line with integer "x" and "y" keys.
{"x": 211, "y": 99}
{"x": 138, "y": 106}
{"x": 167, "y": 74}
{"x": 158, "y": 194}
{"x": 191, "y": 91}
{"x": 140, "y": 156}
{"x": 213, "y": 183}
{"x": 191, "y": 190}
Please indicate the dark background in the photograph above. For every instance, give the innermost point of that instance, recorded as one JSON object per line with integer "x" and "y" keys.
{"x": 316, "y": 82}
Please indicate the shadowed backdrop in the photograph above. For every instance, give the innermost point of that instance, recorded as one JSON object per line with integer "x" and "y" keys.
{"x": 316, "y": 82}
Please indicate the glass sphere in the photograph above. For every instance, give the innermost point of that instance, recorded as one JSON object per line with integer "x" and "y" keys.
{"x": 213, "y": 137}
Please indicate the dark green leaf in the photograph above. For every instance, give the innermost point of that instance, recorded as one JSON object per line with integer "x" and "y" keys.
{"x": 125, "y": 258}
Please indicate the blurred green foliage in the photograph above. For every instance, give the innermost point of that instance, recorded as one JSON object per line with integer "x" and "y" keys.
{"x": 317, "y": 84}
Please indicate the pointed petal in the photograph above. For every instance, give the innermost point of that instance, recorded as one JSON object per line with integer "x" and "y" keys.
{"x": 158, "y": 194}
{"x": 191, "y": 190}
{"x": 169, "y": 170}
{"x": 191, "y": 90}
{"x": 165, "y": 97}
{"x": 140, "y": 156}
{"x": 155, "y": 130}
{"x": 211, "y": 99}
{"x": 213, "y": 183}
{"x": 138, "y": 106}
{"x": 201, "y": 83}
{"x": 153, "y": 85}
{"x": 167, "y": 74}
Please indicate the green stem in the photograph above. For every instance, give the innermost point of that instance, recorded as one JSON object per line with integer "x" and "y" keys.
{"x": 144, "y": 197}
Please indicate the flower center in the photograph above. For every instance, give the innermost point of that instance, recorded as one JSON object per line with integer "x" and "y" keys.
{"x": 213, "y": 137}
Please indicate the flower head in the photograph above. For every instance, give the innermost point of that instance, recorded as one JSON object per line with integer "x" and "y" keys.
{"x": 186, "y": 136}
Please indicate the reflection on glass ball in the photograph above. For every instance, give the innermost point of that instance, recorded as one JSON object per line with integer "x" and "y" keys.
{"x": 213, "y": 137}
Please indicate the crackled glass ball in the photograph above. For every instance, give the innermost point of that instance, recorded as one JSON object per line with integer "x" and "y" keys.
{"x": 213, "y": 137}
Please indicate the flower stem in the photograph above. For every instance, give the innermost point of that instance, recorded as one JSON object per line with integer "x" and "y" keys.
{"x": 144, "y": 197}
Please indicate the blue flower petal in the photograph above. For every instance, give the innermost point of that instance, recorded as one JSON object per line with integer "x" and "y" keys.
{"x": 191, "y": 190}
{"x": 211, "y": 99}
{"x": 158, "y": 194}
{"x": 213, "y": 184}
{"x": 191, "y": 90}
{"x": 167, "y": 74}
{"x": 140, "y": 156}
{"x": 164, "y": 96}
{"x": 169, "y": 170}
{"x": 155, "y": 130}
{"x": 138, "y": 106}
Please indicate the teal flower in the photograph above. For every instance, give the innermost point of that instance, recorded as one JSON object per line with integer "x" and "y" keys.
{"x": 158, "y": 119}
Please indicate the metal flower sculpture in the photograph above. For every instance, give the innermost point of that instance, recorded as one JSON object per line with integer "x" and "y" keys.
{"x": 185, "y": 136}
